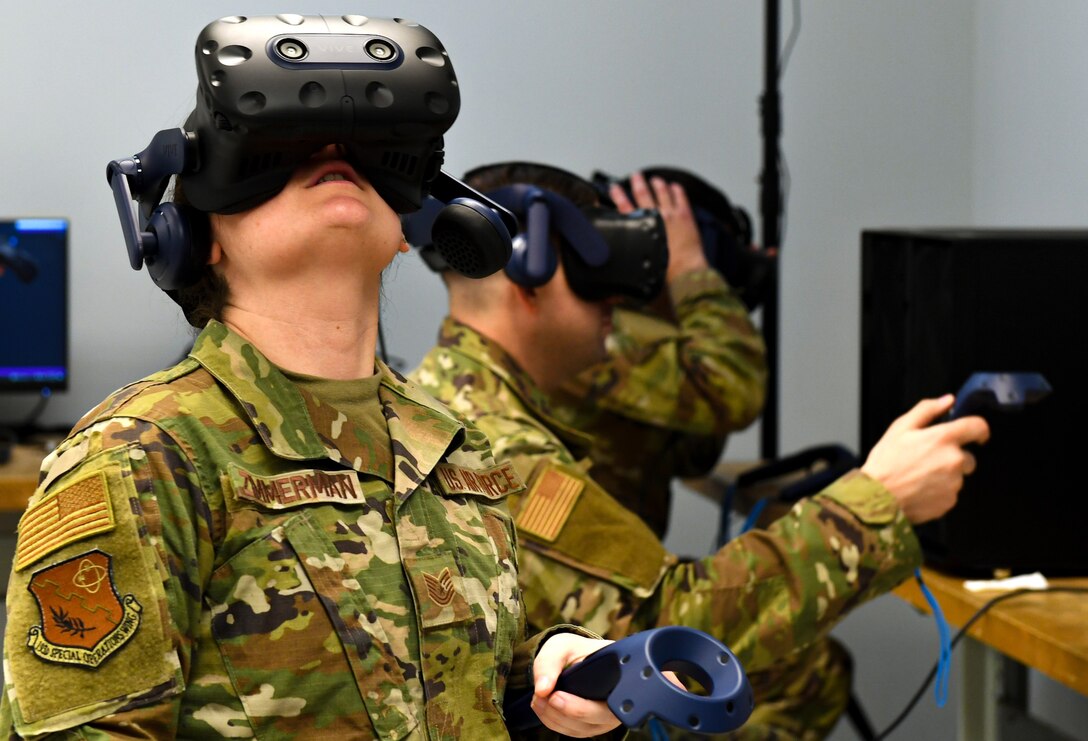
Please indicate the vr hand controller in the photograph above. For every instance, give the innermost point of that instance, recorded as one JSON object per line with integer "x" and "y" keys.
{"x": 986, "y": 392}
{"x": 628, "y": 676}
{"x": 273, "y": 91}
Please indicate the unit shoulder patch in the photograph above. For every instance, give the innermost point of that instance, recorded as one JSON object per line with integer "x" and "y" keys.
{"x": 83, "y": 618}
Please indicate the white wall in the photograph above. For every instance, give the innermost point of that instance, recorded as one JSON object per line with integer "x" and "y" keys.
{"x": 895, "y": 114}
{"x": 1030, "y": 147}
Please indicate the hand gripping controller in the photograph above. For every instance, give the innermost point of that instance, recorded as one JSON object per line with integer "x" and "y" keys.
{"x": 984, "y": 392}
{"x": 628, "y": 675}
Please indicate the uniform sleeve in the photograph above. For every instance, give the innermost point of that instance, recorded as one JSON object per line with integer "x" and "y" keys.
{"x": 765, "y": 594}
{"x": 772, "y": 592}
{"x": 521, "y": 674}
{"x": 104, "y": 596}
{"x": 704, "y": 375}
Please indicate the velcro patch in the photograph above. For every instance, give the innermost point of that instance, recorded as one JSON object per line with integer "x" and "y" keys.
{"x": 440, "y": 587}
{"x": 549, "y": 503}
{"x": 83, "y": 619}
{"x": 79, "y": 510}
{"x": 494, "y": 483}
{"x": 439, "y": 590}
{"x": 297, "y": 488}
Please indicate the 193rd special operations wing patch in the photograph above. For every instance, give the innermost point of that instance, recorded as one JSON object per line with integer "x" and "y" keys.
{"x": 83, "y": 619}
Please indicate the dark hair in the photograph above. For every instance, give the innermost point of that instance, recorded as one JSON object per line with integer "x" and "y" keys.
{"x": 574, "y": 188}
{"x": 205, "y": 299}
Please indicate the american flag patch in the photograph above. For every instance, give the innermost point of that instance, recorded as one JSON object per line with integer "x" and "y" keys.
{"x": 549, "y": 503}
{"x": 77, "y": 511}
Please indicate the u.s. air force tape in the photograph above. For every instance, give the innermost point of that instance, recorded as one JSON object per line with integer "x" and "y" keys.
{"x": 494, "y": 483}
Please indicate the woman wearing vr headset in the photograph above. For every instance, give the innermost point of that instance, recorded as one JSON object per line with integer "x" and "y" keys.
{"x": 280, "y": 537}
{"x": 512, "y": 340}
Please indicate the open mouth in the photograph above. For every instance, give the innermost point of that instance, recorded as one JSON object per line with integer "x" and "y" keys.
{"x": 334, "y": 172}
{"x": 332, "y": 177}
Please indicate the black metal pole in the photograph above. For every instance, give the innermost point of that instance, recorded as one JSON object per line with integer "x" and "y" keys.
{"x": 770, "y": 207}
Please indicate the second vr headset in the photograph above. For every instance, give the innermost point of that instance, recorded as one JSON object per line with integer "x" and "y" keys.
{"x": 273, "y": 91}
{"x": 725, "y": 230}
{"x": 604, "y": 253}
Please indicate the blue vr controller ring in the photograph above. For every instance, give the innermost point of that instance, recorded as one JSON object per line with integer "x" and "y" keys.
{"x": 986, "y": 391}
{"x": 628, "y": 676}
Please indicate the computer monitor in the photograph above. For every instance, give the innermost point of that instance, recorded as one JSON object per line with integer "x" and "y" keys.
{"x": 34, "y": 305}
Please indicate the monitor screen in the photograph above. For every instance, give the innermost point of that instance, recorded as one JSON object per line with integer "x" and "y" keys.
{"x": 33, "y": 304}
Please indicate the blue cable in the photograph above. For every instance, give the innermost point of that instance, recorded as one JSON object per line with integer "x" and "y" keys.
{"x": 657, "y": 731}
{"x": 944, "y": 663}
{"x": 753, "y": 514}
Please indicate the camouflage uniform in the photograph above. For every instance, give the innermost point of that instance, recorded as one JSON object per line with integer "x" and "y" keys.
{"x": 214, "y": 552}
{"x": 588, "y": 560}
{"x": 661, "y": 406}
{"x": 663, "y": 403}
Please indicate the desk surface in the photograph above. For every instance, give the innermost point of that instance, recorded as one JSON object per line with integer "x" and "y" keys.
{"x": 19, "y": 477}
{"x": 1046, "y": 631}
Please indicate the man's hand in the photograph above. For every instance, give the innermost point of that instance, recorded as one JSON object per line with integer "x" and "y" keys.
{"x": 561, "y": 711}
{"x": 923, "y": 464}
{"x": 681, "y": 230}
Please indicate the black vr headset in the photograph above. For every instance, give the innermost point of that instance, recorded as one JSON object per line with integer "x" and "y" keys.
{"x": 604, "y": 253}
{"x": 724, "y": 228}
{"x": 273, "y": 91}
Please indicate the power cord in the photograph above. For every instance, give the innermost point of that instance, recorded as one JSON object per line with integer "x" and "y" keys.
{"x": 959, "y": 635}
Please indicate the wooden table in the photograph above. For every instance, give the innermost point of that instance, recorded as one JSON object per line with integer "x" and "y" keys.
{"x": 19, "y": 477}
{"x": 1046, "y": 631}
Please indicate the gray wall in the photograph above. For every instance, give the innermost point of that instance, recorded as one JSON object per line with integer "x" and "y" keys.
{"x": 895, "y": 114}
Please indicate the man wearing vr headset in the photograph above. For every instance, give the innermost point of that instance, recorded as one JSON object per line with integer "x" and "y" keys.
{"x": 513, "y": 339}
{"x": 682, "y": 373}
{"x": 268, "y": 540}
{"x": 685, "y": 370}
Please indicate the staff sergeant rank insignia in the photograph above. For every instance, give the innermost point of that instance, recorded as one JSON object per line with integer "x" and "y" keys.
{"x": 84, "y": 620}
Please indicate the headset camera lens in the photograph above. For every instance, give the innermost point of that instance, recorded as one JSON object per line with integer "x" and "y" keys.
{"x": 380, "y": 50}
{"x": 291, "y": 49}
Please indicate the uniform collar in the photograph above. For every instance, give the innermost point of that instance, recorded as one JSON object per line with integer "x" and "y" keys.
{"x": 461, "y": 338}
{"x": 297, "y": 426}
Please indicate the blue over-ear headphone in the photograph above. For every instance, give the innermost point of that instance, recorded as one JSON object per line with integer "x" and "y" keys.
{"x": 604, "y": 253}
{"x": 533, "y": 259}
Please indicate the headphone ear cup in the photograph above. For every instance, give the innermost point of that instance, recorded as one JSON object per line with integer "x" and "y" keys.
{"x": 471, "y": 238}
{"x": 515, "y": 266}
{"x": 534, "y": 260}
{"x": 181, "y": 246}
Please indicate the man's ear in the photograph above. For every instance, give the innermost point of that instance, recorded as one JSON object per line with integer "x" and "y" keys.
{"x": 215, "y": 254}
{"x": 526, "y": 298}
